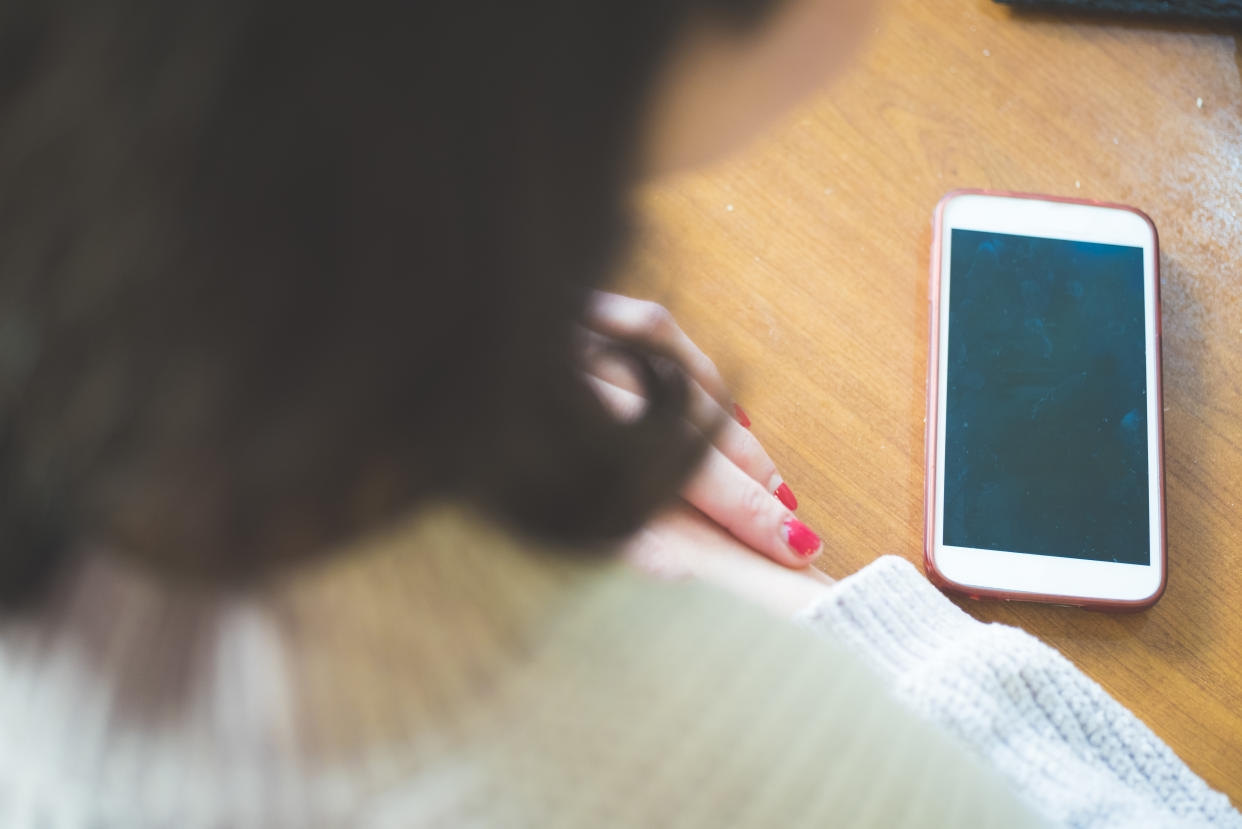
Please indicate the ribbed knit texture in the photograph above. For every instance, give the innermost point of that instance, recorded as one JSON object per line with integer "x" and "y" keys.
{"x": 1073, "y": 752}
{"x": 443, "y": 675}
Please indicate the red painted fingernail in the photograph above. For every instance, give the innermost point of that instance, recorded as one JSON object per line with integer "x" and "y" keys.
{"x": 786, "y": 496}
{"x": 741, "y": 416}
{"x": 799, "y": 536}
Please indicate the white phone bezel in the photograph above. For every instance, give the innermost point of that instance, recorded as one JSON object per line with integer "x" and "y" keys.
{"x": 1011, "y": 572}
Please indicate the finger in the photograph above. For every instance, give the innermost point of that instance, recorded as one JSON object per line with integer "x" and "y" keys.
{"x": 737, "y": 443}
{"x": 744, "y": 507}
{"x": 686, "y": 543}
{"x": 819, "y": 575}
{"x": 624, "y": 404}
{"x": 730, "y": 497}
{"x": 638, "y": 319}
{"x": 651, "y": 552}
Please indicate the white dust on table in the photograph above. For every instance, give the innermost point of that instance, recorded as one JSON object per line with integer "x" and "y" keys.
{"x": 1188, "y": 174}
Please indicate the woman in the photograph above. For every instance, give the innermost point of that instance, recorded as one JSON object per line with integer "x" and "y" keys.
{"x": 319, "y": 443}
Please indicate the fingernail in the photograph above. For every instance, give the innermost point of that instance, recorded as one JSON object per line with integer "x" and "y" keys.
{"x": 799, "y": 536}
{"x": 786, "y": 496}
{"x": 741, "y": 416}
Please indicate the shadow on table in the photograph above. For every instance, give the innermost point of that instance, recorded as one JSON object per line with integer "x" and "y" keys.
{"x": 1184, "y": 387}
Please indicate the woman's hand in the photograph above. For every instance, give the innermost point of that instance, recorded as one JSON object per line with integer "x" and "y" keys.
{"x": 683, "y": 543}
{"x": 737, "y": 485}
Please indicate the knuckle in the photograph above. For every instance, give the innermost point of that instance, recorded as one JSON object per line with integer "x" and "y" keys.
{"x": 655, "y": 321}
{"x": 755, "y": 504}
{"x": 750, "y": 456}
{"x": 707, "y": 367}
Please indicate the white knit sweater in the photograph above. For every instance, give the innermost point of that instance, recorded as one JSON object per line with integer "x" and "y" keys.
{"x": 443, "y": 676}
{"x": 1070, "y": 749}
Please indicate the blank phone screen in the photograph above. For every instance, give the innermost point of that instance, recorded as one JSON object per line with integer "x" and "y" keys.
{"x": 1046, "y": 411}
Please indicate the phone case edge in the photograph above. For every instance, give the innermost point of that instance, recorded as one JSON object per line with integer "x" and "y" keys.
{"x": 930, "y": 431}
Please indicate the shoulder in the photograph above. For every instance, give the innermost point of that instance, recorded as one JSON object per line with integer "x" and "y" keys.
{"x": 651, "y": 703}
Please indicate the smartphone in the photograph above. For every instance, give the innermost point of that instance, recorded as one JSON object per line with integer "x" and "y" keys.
{"x": 1045, "y": 458}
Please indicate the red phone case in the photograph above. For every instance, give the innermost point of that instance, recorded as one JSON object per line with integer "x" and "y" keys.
{"x": 929, "y": 441}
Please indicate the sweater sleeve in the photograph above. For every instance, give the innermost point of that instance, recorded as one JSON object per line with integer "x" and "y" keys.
{"x": 1071, "y": 751}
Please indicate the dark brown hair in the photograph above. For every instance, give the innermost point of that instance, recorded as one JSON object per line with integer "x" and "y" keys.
{"x": 272, "y": 272}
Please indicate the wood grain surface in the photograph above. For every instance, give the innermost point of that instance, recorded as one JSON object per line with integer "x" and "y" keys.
{"x": 802, "y": 267}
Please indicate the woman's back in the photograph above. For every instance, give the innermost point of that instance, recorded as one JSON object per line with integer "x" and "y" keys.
{"x": 446, "y": 676}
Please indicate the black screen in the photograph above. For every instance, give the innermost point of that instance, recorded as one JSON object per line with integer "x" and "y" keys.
{"x": 1046, "y": 412}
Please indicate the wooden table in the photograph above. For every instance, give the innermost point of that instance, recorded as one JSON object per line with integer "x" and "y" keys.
{"x": 802, "y": 267}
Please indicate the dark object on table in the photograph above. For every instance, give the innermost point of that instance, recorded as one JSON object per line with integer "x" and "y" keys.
{"x": 1213, "y": 11}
